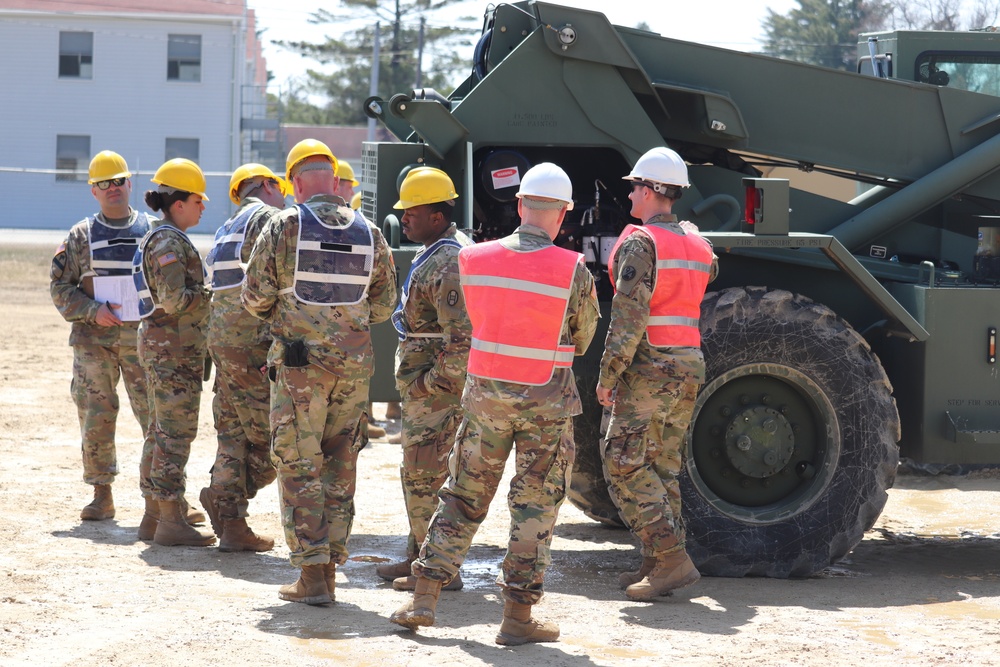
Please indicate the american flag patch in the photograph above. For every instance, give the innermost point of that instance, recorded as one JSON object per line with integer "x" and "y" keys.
{"x": 169, "y": 258}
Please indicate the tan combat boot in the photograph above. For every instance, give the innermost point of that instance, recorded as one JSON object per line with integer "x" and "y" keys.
{"x": 237, "y": 536}
{"x": 419, "y": 611}
{"x": 519, "y": 627}
{"x": 626, "y": 579}
{"x": 672, "y": 571}
{"x": 309, "y": 588}
{"x": 172, "y": 530}
{"x": 393, "y": 571}
{"x": 101, "y": 507}
{"x": 394, "y": 410}
{"x": 330, "y": 574}
{"x": 409, "y": 583}
{"x": 375, "y": 431}
{"x": 210, "y": 501}
{"x": 192, "y": 516}
{"x": 147, "y": 527}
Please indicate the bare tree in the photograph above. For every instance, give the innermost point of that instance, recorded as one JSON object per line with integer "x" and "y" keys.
{"x": 943, "y": 14}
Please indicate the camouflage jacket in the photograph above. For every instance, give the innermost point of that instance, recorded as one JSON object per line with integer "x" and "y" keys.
{"x": 337, "y": 337}
{"x": 626, "y": 346}
{"x": 435, "y": 312}
{"x": 176, "y": 278}
{"x": 230, "y": 325}
{"x": 69, "y": 284}
{"x": 559, "y": 398}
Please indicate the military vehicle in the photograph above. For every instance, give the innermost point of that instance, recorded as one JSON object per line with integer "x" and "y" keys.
{"x": 841, "y": 333}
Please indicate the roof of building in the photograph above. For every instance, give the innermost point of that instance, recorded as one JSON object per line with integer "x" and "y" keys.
{"x": 206, "y": 7}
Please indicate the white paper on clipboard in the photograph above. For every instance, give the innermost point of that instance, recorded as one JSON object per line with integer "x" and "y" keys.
{"x": 118, "y": 290}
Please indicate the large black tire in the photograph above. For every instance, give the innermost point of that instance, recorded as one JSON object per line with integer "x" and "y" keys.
{"x": 793, "y": 441}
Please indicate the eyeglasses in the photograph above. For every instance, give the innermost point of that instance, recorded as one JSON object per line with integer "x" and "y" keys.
{"x": 104, "y": 185}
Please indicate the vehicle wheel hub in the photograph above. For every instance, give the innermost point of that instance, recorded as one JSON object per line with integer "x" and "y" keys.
{"x": 759, "y": 442}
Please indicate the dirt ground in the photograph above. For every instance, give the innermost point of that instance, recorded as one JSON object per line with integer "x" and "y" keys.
{"x": 923, "y": 587}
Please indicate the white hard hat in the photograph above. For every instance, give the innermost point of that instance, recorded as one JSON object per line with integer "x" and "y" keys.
{"x": 549, "y": 181}
{"x": 660, "y": 166}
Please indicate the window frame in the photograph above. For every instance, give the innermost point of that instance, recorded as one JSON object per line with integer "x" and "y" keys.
{"x": 179, "y": 63}
{"x": 174, "y": 147}
{"x": 80, "y": 156}
{"x": 84, "y": 61}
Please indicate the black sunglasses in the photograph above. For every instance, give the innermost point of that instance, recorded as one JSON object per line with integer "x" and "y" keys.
{"x": 104, "y": 185}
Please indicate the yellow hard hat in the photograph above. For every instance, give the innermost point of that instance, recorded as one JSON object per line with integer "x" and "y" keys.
{"x": 356, "y": 201}
{"x": 107, "y": 165}
{"x": 252, "y": 170}
{"x": 425, "y": 185}
{"x": 346, "y": 173}
{"x": 304, "y": 149}
{"x": 181, "y": 174}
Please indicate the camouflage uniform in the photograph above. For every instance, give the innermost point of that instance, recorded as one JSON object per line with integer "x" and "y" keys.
{"x": 238, "y": 343}
{"x": 655, "y": 391}
{"x": 435, "y": 348}
{"x": 319, "y": 413}
{"x": 500, "y": 416}
{"x": 101, "y": 355}
{"x": 172, "y": 350}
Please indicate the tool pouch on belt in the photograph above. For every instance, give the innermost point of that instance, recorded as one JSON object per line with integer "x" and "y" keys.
{"x": 296, "y": 354}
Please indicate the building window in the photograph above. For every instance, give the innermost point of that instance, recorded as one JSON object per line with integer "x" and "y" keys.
{"x": 183, "y": 57}
{"x": 187, "y": 148}
{"x": 73, "y": 155}
{"x": 76, "y": 55}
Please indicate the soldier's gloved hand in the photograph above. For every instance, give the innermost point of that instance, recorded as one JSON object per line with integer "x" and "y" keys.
{"x": 106, "y": 315}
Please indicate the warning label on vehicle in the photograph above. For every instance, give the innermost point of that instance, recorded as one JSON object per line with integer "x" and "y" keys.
{"x": 508, "y": 177}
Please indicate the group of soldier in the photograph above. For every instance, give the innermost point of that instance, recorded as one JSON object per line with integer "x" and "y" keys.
{"x": 487, "y": 336}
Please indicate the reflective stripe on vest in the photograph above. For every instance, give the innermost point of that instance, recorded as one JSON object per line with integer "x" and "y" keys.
{"x": 146, "y": 302}
{"x": 223, "y": 260}
{"x": 517, "y": 304}
{"x": 397, "y": 315}
{"x": 112, "y": 248}
{"x": 333, "y": 265}
{"x": 683, "y": 266}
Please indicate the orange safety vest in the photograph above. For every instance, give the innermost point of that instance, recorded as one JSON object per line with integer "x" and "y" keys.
{"x": 683, "y": 267}
{"x": 517, "y": 302}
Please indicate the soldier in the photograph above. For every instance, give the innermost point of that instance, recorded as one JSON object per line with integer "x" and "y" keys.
{"x": 533, "y": 307}
{"x": 103, "y": 345}
{"x": 173, "y": 302}
{"x": 652, "y": 368}
{"x": 320, "y": 275}
{"x": 238, "y": 343}
{"x": 345, "y": 188}
{"x": 434, "y": 335}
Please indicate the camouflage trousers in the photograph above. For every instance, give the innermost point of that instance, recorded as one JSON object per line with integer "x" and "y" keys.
{"x": 240, "y": 408}
{"x": 642, "y": 454}
{"x": 319, "y": 423}
{"x": 173, "y": 386}
{"x": 428, "y": 436}
{"x": 544, "y": 452}
{"x": 96, "y": 372}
